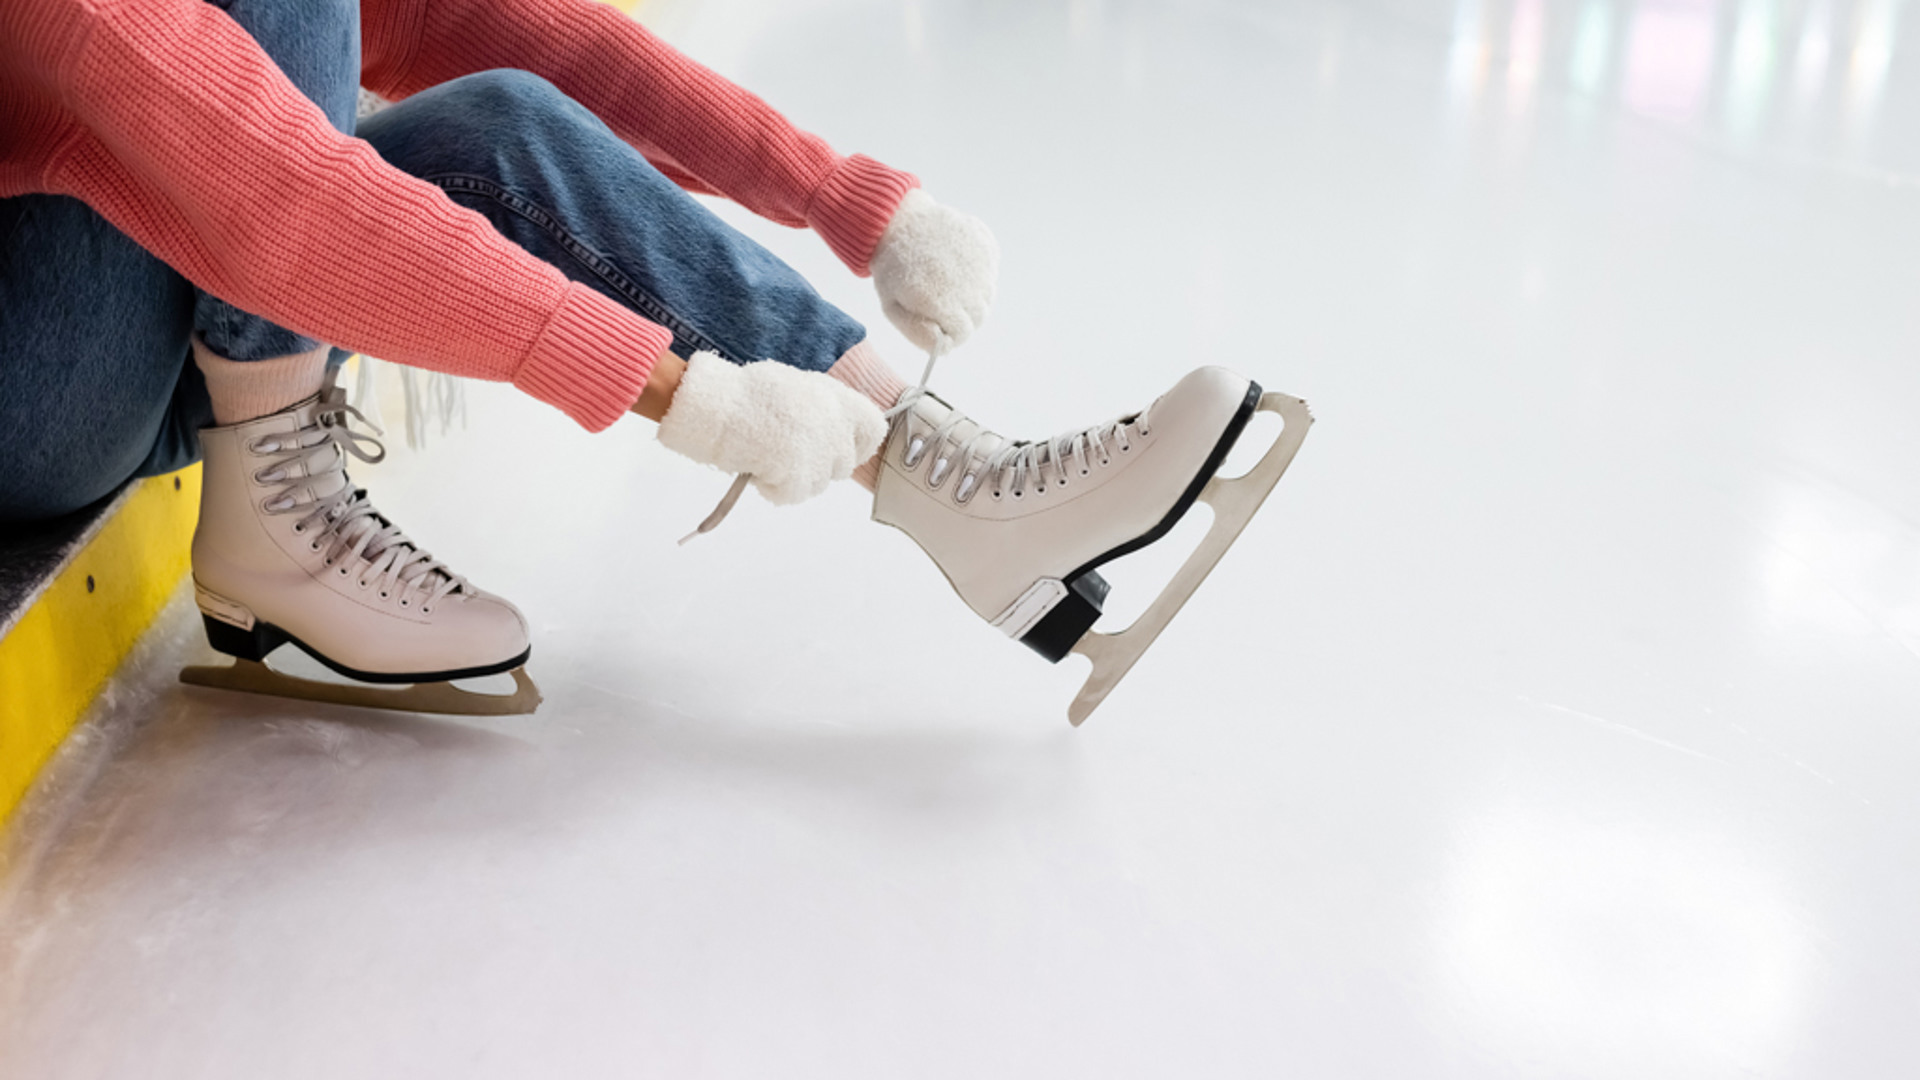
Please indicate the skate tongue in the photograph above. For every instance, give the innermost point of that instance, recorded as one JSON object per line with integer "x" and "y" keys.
{"x": 414, "y": 564}
{"x": 316, "y": 457}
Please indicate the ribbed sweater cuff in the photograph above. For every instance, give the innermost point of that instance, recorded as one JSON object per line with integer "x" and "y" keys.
{"x": 853, "y": 205}
{"x": 592, "y": 359}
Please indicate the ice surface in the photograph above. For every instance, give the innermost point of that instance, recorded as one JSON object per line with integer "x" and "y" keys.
{"x": 1557, "y": 717}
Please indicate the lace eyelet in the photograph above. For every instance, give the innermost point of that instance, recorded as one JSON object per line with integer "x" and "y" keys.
{"x": 315, "y": 546}
{"x": 343, "y": 570}
{"x": 384, "y": 594}
{"x": 1086, "y": 472}
{"x": 406, "y": 603}
{"x": 996, "y": 494}
{"x": 1018, "y": 494}
{"x": 425, "y": 610}
{"x": 298, "y": 528}
{"x": 915, "y": 448}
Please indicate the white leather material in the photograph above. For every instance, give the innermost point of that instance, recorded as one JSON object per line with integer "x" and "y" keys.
{"x": 251, "y": 564}
{"x": 993, "y": 550}
{"x": 228, "y": 611}
{"x": 1031, "y": 607}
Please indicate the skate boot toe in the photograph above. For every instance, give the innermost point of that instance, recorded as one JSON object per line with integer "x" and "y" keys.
{"x": 491, "y": 630}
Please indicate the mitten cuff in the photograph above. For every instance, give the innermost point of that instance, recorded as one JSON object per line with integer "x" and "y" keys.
{"x": 712, "y": 395}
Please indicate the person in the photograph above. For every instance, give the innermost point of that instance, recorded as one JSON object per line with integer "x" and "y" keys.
{"x": 195, "y": 225}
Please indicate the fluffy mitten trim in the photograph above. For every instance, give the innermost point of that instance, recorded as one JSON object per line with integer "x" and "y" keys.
{"x": 935, "y": 270}
{"x": 794, "y": 431}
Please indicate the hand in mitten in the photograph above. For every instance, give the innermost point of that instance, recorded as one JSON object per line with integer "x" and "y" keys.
{"x": 795, "y": 431}
{"x": 934, "y": 269}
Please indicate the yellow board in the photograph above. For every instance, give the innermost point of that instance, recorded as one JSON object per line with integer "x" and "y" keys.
{"x": 60, "y": 653}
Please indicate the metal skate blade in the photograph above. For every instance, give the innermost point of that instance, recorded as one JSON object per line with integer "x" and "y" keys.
{"x": 254, "y": 677}
{"x": 1234, "y": 503}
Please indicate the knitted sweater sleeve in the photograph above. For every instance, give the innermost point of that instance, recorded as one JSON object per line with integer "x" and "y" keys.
{"x": 192, "y": 142}
{"x": 700, "y": 129}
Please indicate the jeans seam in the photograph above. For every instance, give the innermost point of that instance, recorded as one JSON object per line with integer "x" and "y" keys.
{"x": 642, "y": 301}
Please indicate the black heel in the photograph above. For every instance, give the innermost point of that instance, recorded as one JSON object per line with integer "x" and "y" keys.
{"x": 252, "y": 644}
{"x": 1056, "y": 633}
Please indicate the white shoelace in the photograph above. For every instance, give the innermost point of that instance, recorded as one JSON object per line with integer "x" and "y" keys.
{"x": 1010, "y": 464}
{"x": 346, "y": 522}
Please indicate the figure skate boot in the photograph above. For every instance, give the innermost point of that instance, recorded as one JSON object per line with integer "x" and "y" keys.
{"x": 1021, "y": 528}
{"x": 287, "y": 550}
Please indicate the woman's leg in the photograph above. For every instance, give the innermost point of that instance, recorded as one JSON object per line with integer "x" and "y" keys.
{"x": 94, "y": 383}
{"x": 551, "y": 177}
{"x": 316, "y": 44}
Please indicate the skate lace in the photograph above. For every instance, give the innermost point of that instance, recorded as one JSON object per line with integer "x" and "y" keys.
{"x": 1012, "y": 465}
{"x": 346, "y": 523}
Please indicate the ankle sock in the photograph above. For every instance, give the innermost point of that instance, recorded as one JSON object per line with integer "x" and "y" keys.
{"x": 249, "y": 389}
{"x": 862, "y": 369}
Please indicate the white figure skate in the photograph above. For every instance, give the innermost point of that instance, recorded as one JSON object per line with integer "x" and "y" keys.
{"x": 1020, "y": 528}
{"x": 288, "y": 551}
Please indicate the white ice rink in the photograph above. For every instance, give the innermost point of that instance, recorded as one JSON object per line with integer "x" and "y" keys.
{"x": 1559, "y": 716}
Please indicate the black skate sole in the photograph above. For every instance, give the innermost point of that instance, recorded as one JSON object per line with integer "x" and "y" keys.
{"x": 265, "y": 637}
{"x": 1057, "y": 632}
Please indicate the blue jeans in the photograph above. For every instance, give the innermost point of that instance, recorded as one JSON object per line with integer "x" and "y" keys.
{"x": 96, "y": 385}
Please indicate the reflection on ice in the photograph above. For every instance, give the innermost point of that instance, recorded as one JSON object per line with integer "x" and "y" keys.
{"x": 1872, "y": 56}
{"x": 1750, "y": 77}
{"x": 1670, "y": 59}
{"x": 1680, "y": 61}
{"x": 1524, "y": 44}
{"x": 1810, "y": 62}
{"x": 1587, "y": 68}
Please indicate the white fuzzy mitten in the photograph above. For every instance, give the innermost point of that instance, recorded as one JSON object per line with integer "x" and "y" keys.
{"x": 934, "y": 269}
{"x": 795, "y": 431}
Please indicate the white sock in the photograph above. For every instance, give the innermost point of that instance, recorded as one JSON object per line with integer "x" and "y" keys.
{"x": 248, "y": 390}
{"x": 862, "y": 369}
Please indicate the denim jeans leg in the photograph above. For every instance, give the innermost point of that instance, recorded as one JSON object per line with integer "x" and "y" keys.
{"x": 554, "y": 179}
{"x": 95, "y": 386}
{"x": 316, "y": 43}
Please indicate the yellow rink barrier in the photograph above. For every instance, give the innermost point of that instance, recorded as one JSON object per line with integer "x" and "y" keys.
{"x": 58, "y": 656}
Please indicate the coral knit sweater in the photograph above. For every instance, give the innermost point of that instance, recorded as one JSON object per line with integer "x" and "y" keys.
{"x": 167, "y": 119}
